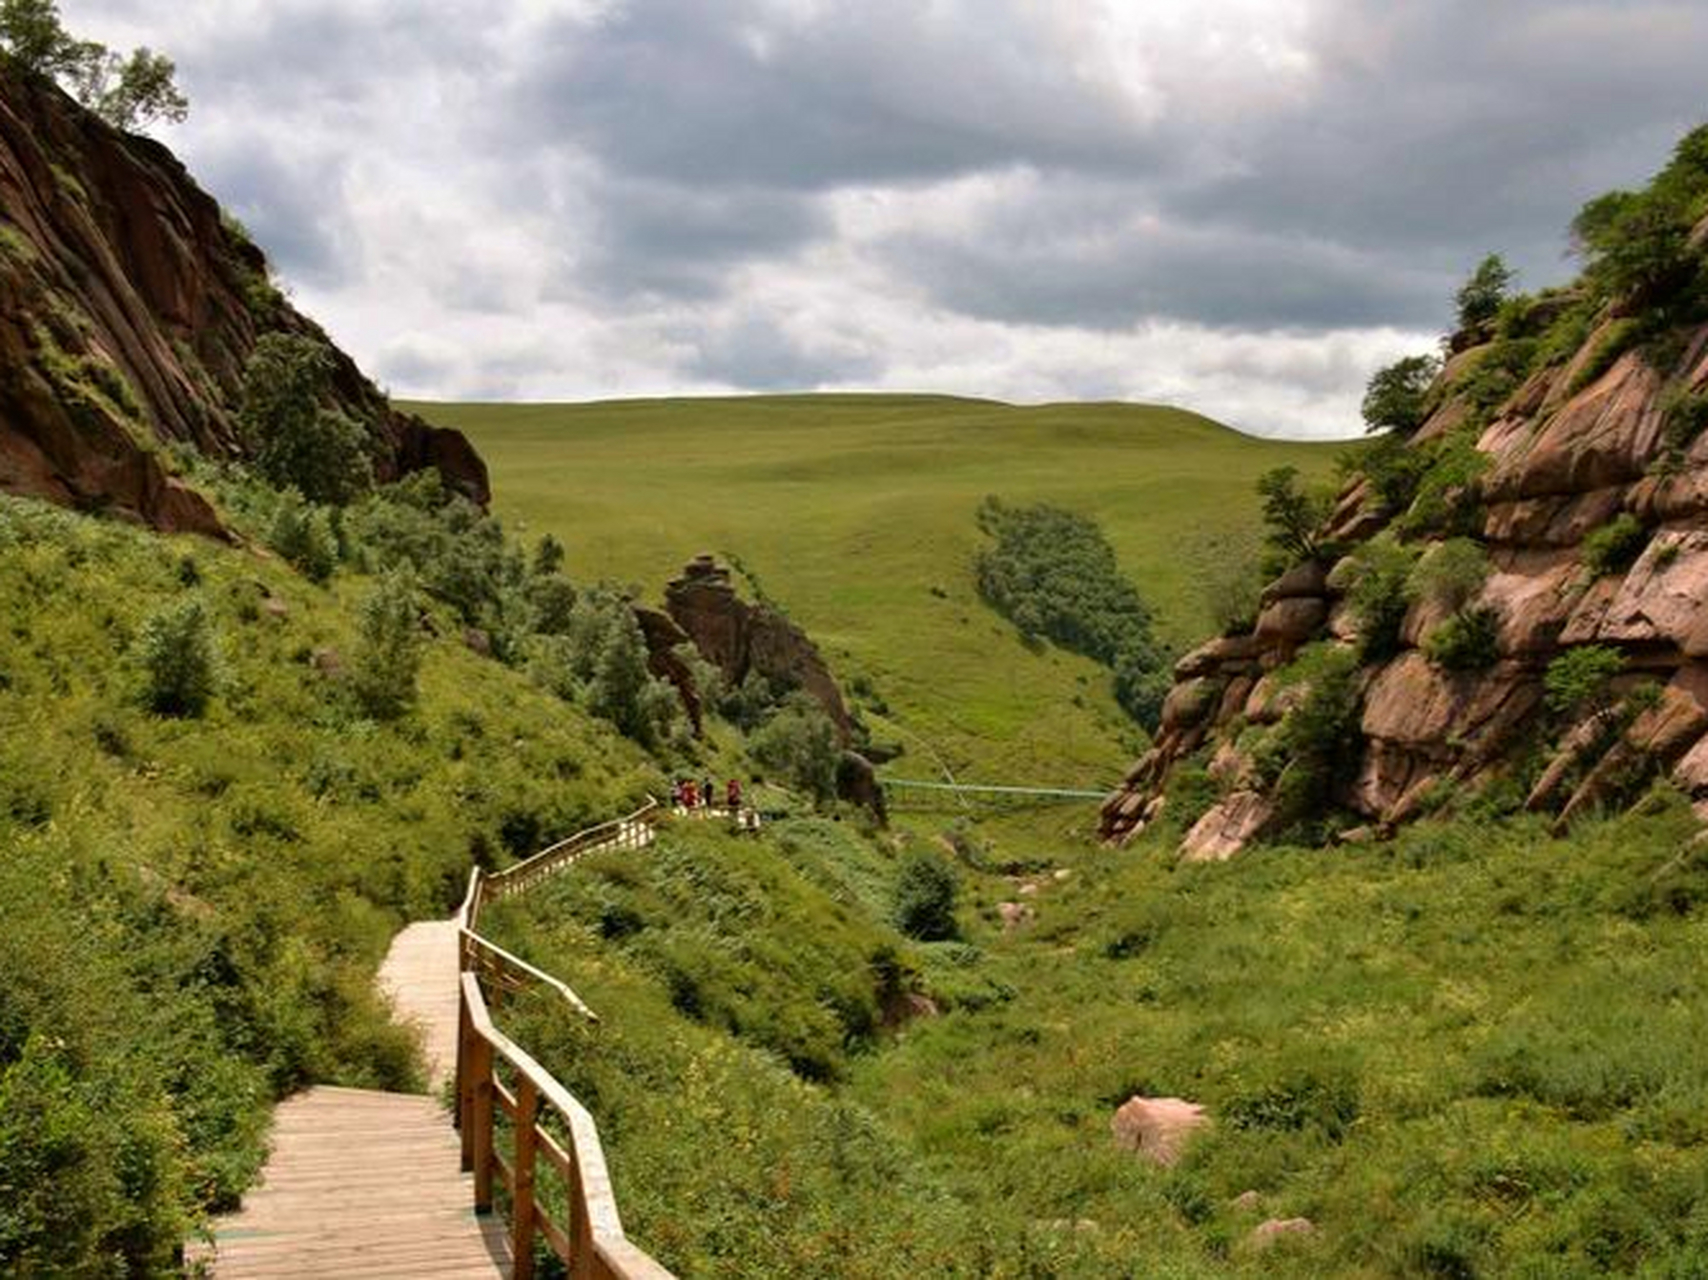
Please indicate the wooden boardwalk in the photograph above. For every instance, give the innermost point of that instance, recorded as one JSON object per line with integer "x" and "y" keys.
{"x": 366, "y": 1184}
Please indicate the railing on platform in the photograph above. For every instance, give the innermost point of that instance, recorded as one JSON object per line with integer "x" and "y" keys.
{"x": 496, "y": 1077}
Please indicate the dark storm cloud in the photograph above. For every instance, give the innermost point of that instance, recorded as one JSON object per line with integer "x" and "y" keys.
{"x": 1022, "y": 265}
{"x": 1444, "y": 128}
{"x": 1426, "y": 134}
{"x": 293, "y": 207}
{"x": 653, "y": 237}
{"x": 757, "y": 95}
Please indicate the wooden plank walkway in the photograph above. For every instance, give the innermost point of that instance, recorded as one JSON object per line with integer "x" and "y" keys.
{"x": 366, "y": 1184}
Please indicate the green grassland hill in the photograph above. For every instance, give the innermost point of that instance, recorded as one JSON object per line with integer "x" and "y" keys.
{"x": 856, "y": 514}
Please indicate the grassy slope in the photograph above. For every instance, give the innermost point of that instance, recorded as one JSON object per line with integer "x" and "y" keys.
{"x": 1472, "y": 1052}
{"x": 191, "y": 911}
{"x": 851, "y": 509}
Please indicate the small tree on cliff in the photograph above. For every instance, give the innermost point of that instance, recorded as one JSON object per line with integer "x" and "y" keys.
{"x": 1397, "y": 398}
{"x": 127, "y": 91}
{"x": 294, "y": 440}
{"x": 1294, "y": 517}
{"x": 1479, "y": 299}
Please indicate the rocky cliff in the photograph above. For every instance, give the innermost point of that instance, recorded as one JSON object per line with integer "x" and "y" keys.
{"x": 128, "y": 307}
{"x": 738, "y": 638}
{"x": 1575, "y": 473}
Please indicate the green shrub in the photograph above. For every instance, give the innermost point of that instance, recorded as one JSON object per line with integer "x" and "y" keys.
{"x": 1578, "y": 679}
{"x": 798, "y": 742}
{"x": 1293, "y": 516}
{"x": 1397, "y": 398}
{"x": 1686, "y": 416}
{"x": 1497, "y": 373}
{"x": 1394, "y": 467}
{"x": 1054, "y": 575}
{"x": 388, "y": 651}
{"x": 1617, "y": 337}
{"x": 1466, "y": 641}
{"x": 1450, "y": 575}
{"x": 621, "y": 689}
{"x": 1480, "y": 298}
{"x": 925, "y": 892}
{"x": 1448, "y": 497}
{"x": 1615, "y": 546}
{"x": 303, "y": 535}
{"x": 1378, "y": 575}
{"x": 179, "y": 656}
{"x": 293, "y": 440}
{"x": 1314, "y": 750}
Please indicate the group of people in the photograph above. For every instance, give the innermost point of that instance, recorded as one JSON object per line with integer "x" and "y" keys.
{"x": 690, "y": 796}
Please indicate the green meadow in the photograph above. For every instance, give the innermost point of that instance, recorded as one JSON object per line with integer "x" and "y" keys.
{"x": 855, "y": 514}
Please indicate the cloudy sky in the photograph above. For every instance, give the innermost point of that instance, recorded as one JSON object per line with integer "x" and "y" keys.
{"x": 1239, "y": 206}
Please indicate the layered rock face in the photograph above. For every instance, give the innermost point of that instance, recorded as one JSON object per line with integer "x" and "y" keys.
{"x": 1569, "y": 452}
{"x": 127, "y": 311}
{"x": 738, "y": 638}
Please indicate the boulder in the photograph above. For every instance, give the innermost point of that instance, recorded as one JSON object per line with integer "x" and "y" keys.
{"x": 1212, "y": 657}
{"x": 1661, "y": 599}
{"x": 1291, "y": 621}
{"x": 1605, "y": 435}
{"x": 1691, "y": 772}
{"x": 1267, "y": 1233}
{"x": 857, "y": 784}
{"x": 1308, "y": 578}
{"x": 1189, "y": 702}
{"x": 738, "y": 638}
{"x": 1228, "y": 827}
{"x": 1413, "y": 703}
{"x": 1157, "y": 1128}
{"x": 1556, "y": 520}
{"x": 1015, "y": 914}
{"x": 1533, "y": 593}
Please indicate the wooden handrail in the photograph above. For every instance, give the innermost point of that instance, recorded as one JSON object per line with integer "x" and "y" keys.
{"x": 589, "y": 1238}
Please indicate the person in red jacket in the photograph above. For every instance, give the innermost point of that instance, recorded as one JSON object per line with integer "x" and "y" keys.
{"x": 732, "y": 796}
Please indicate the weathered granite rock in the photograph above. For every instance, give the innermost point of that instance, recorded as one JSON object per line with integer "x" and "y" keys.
{"x": 1228, "y": 827}
{"x": 1292, "y": 620}
{"x": 130, "y": 283}
{"x": 1157, "y": 1128}
{"x": 663, "y": 638}
{"x": 1264, "y": 1234}
{"x": 1661, "y": 599}
{"x": 1606, "y": 435}
{"x": 738, "y": 637}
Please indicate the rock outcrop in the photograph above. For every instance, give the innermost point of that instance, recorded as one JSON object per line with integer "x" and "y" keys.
{"x": 1157, "y": 1128}
{"x": 1569, "y": 452}
{"x": 128, "y": 307}
{"x": 663, "y": 639}
{"x": 738, "y": 638}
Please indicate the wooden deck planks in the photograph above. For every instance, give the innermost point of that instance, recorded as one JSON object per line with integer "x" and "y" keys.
{"x": 420, "y": 976}
{"x": 362, "y": 1184}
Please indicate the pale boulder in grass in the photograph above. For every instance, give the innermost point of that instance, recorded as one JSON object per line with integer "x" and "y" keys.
{"x": 1157, "y": 1128}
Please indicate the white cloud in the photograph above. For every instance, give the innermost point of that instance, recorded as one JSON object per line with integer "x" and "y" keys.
{"x": 1242, "y": 207}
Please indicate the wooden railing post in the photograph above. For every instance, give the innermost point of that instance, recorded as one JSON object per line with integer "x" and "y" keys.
{"x": 465, "y": 1078}
{"x": 522, "y": 1201}
{"x": 480, "y": 1114}
{"x": 582, "y": 1260}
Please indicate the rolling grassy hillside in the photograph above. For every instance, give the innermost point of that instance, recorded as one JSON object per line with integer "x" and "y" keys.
{"x": 855, "y": 513}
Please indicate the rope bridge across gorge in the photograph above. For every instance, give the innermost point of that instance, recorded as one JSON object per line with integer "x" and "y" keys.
{"x": 910, "y": 793}
{"x": 371, "y": 1184}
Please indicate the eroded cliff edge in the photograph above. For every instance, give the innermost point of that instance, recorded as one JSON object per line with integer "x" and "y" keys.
{"x": 128, "y": 308}
{"x": 1564, "y": 448}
